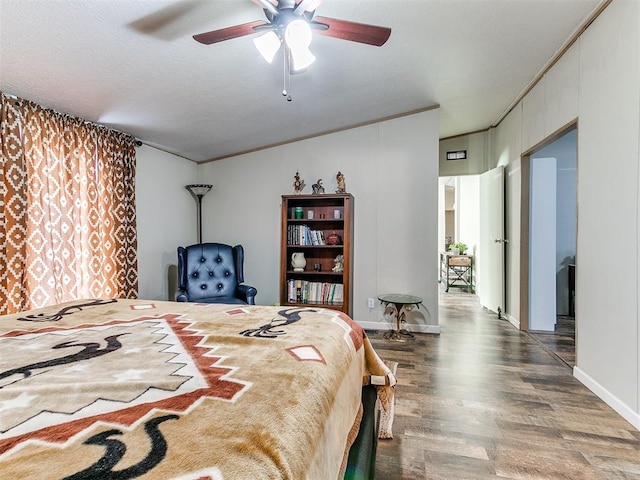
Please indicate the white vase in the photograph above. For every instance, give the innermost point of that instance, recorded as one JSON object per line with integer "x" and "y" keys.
{"x": 298, "y": 262}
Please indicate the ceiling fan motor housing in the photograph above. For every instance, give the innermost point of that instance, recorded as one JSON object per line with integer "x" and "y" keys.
{"x": 279, "y": 22}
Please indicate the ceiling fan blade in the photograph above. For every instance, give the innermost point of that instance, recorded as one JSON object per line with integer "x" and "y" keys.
{"x": 268, "y": 5}
{"x": 355, "y": 32}
{"x": 306, "y": 6}
{"x": 228, "y": 33}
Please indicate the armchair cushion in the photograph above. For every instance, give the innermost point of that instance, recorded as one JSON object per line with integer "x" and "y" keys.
{"x": 212, "y": 273}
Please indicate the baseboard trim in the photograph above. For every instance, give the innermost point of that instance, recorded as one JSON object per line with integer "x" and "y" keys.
{"x": 512, "y": 321}
{"x": 383, "y": 326}
{"x": 614, "y": 402}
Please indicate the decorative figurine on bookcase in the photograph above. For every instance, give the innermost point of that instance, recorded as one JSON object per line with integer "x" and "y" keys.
{"x": 317, "y": 187}
{"x": 339, "y": 264}
{"x": 340, "y": 181}
{"x": 298, "y": 184}
{"x": 334, "y": 239}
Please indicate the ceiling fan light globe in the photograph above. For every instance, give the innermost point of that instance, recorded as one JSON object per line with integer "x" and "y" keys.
{"x": 297, "y": 34}
{"x": 268, "y": 45}
{"x": 301, "y": 58}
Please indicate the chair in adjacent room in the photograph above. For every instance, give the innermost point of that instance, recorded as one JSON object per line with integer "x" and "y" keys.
{"x": 213, "y": 273}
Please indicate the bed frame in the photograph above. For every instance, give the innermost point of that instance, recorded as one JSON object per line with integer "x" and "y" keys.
{"x": 362, "y": 456}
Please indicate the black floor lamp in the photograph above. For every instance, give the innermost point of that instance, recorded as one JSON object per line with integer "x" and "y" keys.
{"x": 199, "y": 191}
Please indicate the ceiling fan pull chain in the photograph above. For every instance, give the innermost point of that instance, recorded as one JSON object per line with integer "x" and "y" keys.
{"x": 286, "y": 75}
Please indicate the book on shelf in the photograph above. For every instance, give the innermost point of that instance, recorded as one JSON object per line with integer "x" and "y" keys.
{"x": 322, "y": 293}
{"x": 338, "y": 294}
{"x": 303, "y": 235}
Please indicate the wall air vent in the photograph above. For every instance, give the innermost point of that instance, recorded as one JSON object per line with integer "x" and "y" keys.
{"x": 457, "y": 155}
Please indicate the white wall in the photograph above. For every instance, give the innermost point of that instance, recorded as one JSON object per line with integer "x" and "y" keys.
{"x": 476, "y": 162}
{"x": 166, "y": 216}
{"x": 608, "y": 353}
{"x": 542, "y": 245}
{"x": 446, "y": 212}
{"x": 468, "y": 212}
{"x": 506, "y": 144}
{"x": 512, "y": 206}
{"x": 391, "y": 168}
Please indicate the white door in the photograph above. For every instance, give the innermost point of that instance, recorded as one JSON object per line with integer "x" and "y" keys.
{"x": 490, "y": 261}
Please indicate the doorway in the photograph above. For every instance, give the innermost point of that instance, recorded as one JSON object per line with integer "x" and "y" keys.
{"x": 459, "y": 210}
{"x": 550, "y": 252}
{"x": 459, "y": 221}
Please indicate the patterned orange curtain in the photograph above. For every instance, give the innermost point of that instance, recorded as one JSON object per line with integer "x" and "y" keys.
{"x": 67, "y": 209}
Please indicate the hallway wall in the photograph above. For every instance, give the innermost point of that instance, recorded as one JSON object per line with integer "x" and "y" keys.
{"x": 595, "y": 82}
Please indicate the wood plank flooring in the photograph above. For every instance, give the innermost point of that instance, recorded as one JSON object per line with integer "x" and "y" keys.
{"x": 561, "y": 342}
{"x": 485, "y": 401}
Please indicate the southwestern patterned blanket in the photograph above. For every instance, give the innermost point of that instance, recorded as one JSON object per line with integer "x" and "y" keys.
{"x": 136, "y": 389}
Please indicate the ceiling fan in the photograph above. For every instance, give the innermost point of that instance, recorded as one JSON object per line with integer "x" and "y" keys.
{"x": 291, "y": 22}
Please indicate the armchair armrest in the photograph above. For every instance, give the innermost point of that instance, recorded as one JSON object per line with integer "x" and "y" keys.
{"x": 247, "y": 293}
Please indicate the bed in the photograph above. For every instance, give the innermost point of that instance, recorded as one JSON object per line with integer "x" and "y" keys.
{"x": 106, "y": 389}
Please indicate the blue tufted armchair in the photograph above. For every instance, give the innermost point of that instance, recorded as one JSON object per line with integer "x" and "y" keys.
{"x": 212, "y": 273}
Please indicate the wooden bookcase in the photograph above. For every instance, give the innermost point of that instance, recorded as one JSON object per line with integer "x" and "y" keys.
{"x": 312, "y": 234}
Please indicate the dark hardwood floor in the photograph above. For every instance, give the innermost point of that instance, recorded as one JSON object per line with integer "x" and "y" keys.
{"x": 561, "y": 342}
{"x": 484, "y": 401}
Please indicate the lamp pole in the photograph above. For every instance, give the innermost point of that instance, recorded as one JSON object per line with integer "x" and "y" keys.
{"x": 199, "y": 191}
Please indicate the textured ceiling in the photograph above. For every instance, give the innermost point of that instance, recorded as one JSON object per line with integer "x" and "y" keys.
{"x": 133, "y": 66}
